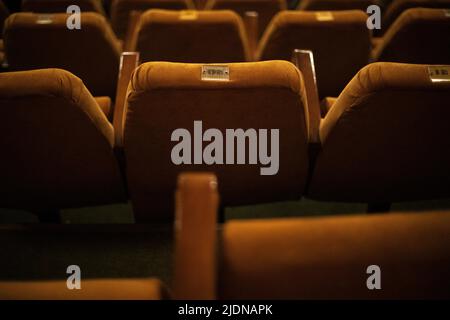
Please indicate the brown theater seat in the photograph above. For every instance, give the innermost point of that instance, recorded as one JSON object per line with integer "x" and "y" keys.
{"x": 35, "y": 41}
{"x": 121, "y": 10}
{"x": 59, "y": 6}
{"x": 98, "y": 289}
{"x": 418, "y": 36}
{"x": 266, "y": 9}
{"x": 57, "y": 145}
{"x": 386, "y": 138}
{"x": 325, "y": 5}
{"x": 191, "y": 36}
{"x": 305, "y": 258}
{"x": 340, "y": 42}
{"x": 163, "y": 97}
{"x": 397, "y": 7}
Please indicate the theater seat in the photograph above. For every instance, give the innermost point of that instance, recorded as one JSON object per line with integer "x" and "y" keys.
{"x": 57, "y": 145}
{"x": 397, "y": 7}
{"x": 92, "y": 289}
{"x": 386, "y": 138}
{"x": 60, "y": 6}
{"x": 326, "y": 5}
{"x": 121, "y": 10}
{"x": 419, "y": 35}
{"x": 35, "y": 41}
{"x": 164, "y": 97}
{"x": 191, "y": 36}
{"x": 305, "y": 258}
{"x": 328, "y": 257}
{"x": 340, "y": 42}
{"x": 266, "y": 9}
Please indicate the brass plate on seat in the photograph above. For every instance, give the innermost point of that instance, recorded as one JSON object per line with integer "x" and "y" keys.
{"x": 215, "y": 73}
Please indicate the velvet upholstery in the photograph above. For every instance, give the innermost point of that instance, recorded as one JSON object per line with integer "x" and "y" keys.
{"x": 340, "y": 42}
{"x": 35, "y": 41}
{"x": 91, "y": 289}
{"x": 325, "y": 5}
{"x": 386, "y": 138}
{"x": 121, "y": 10}
{"x": 419, "y": 35}
{"x": 266, "y": 9}
{"x": 191, "y": 36}
{"x": 60, "y": 6}
{"x": 397, "y": 7}
{"x": 57, "y": 145}
{"x": 327, "y": 257}
{"x": 163, "y": 97}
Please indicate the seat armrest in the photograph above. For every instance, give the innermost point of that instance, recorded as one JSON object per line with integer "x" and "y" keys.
{"x": 251, "y": 28}
{"x": 128, "y": 62}
{"x": 197, "y": 202}
{"x": 304, "y": 61}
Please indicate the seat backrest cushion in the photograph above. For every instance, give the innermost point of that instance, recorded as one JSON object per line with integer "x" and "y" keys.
{"x": 121, "y": 10}
{"x": 328, "y": 257}
{"x": 340, "y": 42}
{"x": 418, "y": 36}
{"x": 191, "y": 36}
{"x": 386, "y": 138}
{"x": 57, "y": 145}
{"x": 163, "y": 97}
{"x": 36, "y": 41}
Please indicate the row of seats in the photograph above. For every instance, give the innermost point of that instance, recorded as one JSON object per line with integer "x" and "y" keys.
{"x": 120, "y": 9}
{"x": 383, "y": 140}
{"x": 93, "y": 53}
{"x": 296, "y": 258}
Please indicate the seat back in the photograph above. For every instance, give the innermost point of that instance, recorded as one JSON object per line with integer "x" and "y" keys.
{"x": 418, "y": 36}
{"x": 397, "y": 7}
{"x": 266, "y": 9}
{"x": 121, "y": 10}
{"x": 35, "y": 41}
{"x": 60, "y": 6}
{"x": 57, "y": 145}
{"x": 387, "y": 138}
{"x": 326, "y": 5}
{"x": 171, "y": 106}
{"x": 329, "y": 258}
{"x": 191, "y": 36}
{"x": 340, "y": 42}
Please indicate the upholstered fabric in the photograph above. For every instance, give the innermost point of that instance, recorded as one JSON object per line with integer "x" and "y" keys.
{"x": 340, "y": 42}
{"x": 191, "y": 36}
{"x": 326, "y": 104}
{"x": 105, "y": 105}
{"x": 327, "y": 257}
{"x": 121, "y": 10}
{"x": 318, "y": 5}
{"x": 60, "y": 6}
{"x": 91, "y": 289}
{"x": 417, "y": 36}
{"x": 266, "y": 9}
{"x": 57, "y": 144}
{"x": 35, "y": 41}
{"x": 397, "y": 7}
{"x": 386, "y": 138}
{"x": 163, "y": 97}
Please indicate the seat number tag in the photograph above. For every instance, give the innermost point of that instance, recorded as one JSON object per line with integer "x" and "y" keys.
{"x": 439, "y": 73}
{"x": 44, "y": 19}
{"x": 215, "y": 73}
{"x": 324, "y": 16}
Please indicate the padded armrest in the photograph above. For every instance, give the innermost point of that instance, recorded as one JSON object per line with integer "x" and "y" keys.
{"x": 326, "y": 104}
{"x": 197, "y": 202}
{"x": 105, "y": 289}
{"x": 105, "y": 104}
